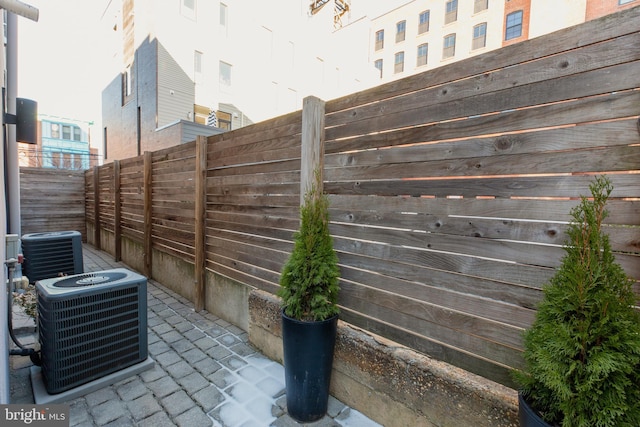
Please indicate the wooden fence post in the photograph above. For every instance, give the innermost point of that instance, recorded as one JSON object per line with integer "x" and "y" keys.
{"x": 312, "y": 157}
{"x": 96, "y": 206}
{"x": 148, "y": 244}
{"x": 116, "y": 204}
{"x": 200, "y": 178}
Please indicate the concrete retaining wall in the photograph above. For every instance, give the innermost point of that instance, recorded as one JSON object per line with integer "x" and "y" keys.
{"x": 392, "y": 384}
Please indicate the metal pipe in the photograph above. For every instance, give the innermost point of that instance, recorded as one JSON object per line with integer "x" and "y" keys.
{"x": 5, "y": 393}
{"x": 19, "y": 8}
{"x": 12, "y": 161}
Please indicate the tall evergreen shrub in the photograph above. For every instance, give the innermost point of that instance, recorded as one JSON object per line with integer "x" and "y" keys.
{"x": 582, "y": 352}
{"x": 309, "y": 283}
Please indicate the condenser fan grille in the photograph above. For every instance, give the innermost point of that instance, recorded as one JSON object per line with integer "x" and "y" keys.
{"x": 92, "y": 331}
{"x": 89, "y": 279}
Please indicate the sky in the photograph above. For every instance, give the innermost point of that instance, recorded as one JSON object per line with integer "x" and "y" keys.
{"x": 60, "y": 57}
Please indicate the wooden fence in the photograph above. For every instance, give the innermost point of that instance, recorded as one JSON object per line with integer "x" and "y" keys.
{"x": 52, "y": 200}
{"x": 450, "y": 190}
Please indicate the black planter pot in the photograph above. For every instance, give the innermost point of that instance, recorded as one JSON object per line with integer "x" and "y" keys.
{"x": 308, "y": 359}
{"x": 527, "y": 416}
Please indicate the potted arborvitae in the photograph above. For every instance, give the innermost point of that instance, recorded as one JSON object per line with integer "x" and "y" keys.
{"x": 309, "y": 291}
{"x": 582, "y": 352}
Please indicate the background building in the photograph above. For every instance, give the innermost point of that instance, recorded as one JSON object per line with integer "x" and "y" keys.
{"x": 180, "y": 65}
{"x": 421, "y": 35}
{"x": 598, "y": 8}
{"x": 188, "y": 62}
{"x": 62, "y": 143}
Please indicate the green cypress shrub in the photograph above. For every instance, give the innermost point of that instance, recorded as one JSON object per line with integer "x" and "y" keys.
{"x": 582, "y": 352}
{"x": 309, "y": 283}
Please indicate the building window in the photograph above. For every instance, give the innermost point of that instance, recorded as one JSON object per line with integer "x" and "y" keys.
{"x": 66, "y": 132}
{"x": 398, "y": 65}
{"x": 423, "y": 52}
{"x": 480, "y": 5}
{"x": 401, "y": 28}
{"x": 423, "y": 22}
{"x": 56, "y": 159}
{"x": 291, "y": 101}
{"x": 225, "y": 74}
{"x": 55, "y": 130}
{"x": 479, "y": 36}
{"x": 319, "y": 70}
{"x": 514, "y": 25}
{"x": 127, "y": 85}
{"x": 265, "y": 45}
{"x": 449, "y": 46}
{"x": 77, "y": 134}
{"x": 223, "y": 15}
{"x": 104, "y": 142}
{"x": 77, "y": 161}
{"x": 378, "y": 65}
{"x": 189, "y": 8}
{"x": 224, "y": 120}
{"x": 451, "y": 14}
{"x": 197, "y": 62}
{"x": 197, "y": 66}
{"x": 379, "y": 39}
{"x": 291, "y": 53}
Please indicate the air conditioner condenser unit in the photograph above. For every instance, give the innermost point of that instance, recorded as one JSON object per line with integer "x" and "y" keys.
{"x": 90, "y": 325}
{"x": 53, "y": 254}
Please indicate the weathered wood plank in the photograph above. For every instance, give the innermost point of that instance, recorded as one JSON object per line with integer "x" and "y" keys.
{"x": 247, "y": 169}
{"x": 216, "y": 235}
{"x": 226, "y": 268}
{"x": 609, "y": 159}
{"x": 622, "y": 212}
{"x": 465, "y": 98}
{"x": 266, "y": 259}
{"x": 283, "y": 126}
{"x": 275, "y": 201}
{"x": 502, "y": 249}
{"x": 420, "y": 265}
{"x": 582, "y": 110}
{"x": 501, "y": 302}
{"x": 485, "y": 338}
{"x": 417, "y": 146}
{"x": 436, "y": 349}
{"x": 263, "y": 186}
{"x": 513, "y": 186}
{"x": 216, "y": 182}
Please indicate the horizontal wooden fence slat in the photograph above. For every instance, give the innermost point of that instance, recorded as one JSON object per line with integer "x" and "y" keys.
{"x": 560, "y": 186}
{"x": 479, "y": 297}
{"x": 536, "y": 83}
{"x": 482, "y": 337}
{"x": 437, "y": 349}
{"x": 594, "y": 108}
